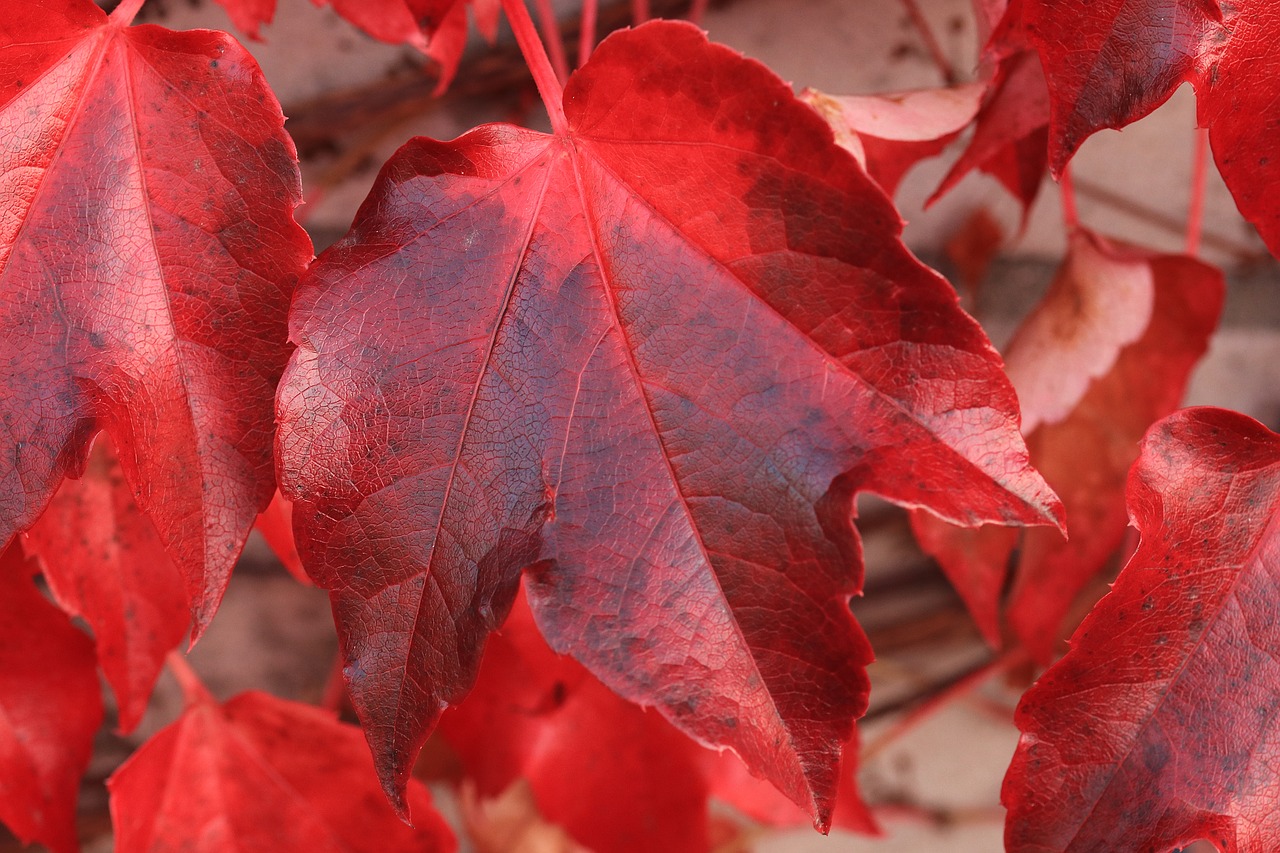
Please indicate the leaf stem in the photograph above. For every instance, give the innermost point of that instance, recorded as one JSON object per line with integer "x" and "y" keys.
{"x": 554, "y": 41}
{"x": 539, "y": 65}
{"x": 1070, "y": 216}
{"x": 193, "y": 689}
{"x": 1195, "y": 207}
{"x": 930, "y": 41}
{"x": 696, "y": 11}
{"x": 587, "y": 34}
{"x": 124, "y": 14}
{"x": 639, "y": 12}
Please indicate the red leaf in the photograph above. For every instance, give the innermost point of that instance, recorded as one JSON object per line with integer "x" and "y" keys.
{"x": 248, "y": 16}
{"x": 731, "y": 782}
{"x": 276, "y": 526}
{"x": 262, "y": 775}
{"x": 976, "y": 561}
{"x": 1010, "y": 134}
{"x": 1107, "y": 353}
{"x": 147, "y": 255}
{"x": 105, "y": 562}
{"x": 438, "y": 28}
{"x": 1159, "y": 726}
{"x": 50, "y": 709}
{"x": 541, "y": 717}
{"x": 891, "y": 133}
{"x": 657, "y": 354}
{"x": 1109, "y": 64}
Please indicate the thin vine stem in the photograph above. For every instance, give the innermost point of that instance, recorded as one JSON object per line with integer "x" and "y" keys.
{"x": 639, "y": 12}
{"x": 697, "y": 10}
{"x": 1070, "y": 215}
{"x": 193, "y": 689}
{"x": 1195, "y": 207}
{"x": 539, "y": 65}
{"x": 930, "y": 41}
{"x": 124, "y": 14}
{"x": 552, "y": 38}
{"x": 587, "y": 33}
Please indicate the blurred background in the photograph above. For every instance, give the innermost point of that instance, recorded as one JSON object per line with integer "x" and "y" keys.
{"x": 939, "y": 733}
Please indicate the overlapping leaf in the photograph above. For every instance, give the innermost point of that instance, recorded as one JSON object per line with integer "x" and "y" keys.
{"x": 1162, "y": 724}
{"x": 276, "y": 526}
{"x": 147, "y": 256}
{"x": 617, "y": 777}
{"x": 890, "y": 133}
{"x": 50, "y": 708}
{"x": 436, "y": 27}
{"x": 1110, "y": 63}
{"x": 262, "y": 775}
{"x": 105, "y": 562}
{"x": 1106, "y": 354}
{"x": 1010, "y": 137}
{"x": 655, "y": 354}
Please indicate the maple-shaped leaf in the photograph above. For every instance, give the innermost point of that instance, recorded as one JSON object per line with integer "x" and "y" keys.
{"x": 541, "y": 717}
{"x": 276, "y": 526}
{"x": 1160, "y": 727}
{"x": 1107, "y": 353}
{"x": 50, "y": 709}
{"x": 262, "y": 775}
{"x": 890, "y": 133}
{"x": 1111, "y": 63}
{"x": 656, "y": 353}
{"x": 104, "y": 562}
{"x": 147, "y": 256}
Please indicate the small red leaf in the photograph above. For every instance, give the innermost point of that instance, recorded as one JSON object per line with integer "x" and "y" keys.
{"x": 1010, "y": 134}
{"x": 438, "y": 28}
{"x": 276, "y": 526}
{"x": 537, "y": 716}
{"x": 105, "y": 562}
{"x": 147, "y": 257}
{"x": 50, "y": 709}
{"x": 262, "y": 775}
{"x": 1107, "y": 353}
{"x": 655, "y": 354}
{"x": 891, "y": 133}
{"x": 1159, "y": 727}
{"x": 975, "y": 560}
{"x": 1110, "y": 63}
{"x": 249, "y": 16}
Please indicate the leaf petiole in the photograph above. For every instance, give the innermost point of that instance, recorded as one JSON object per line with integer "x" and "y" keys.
{"x": 539, "y": 64}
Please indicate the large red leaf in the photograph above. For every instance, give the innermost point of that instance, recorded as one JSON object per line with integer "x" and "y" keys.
{"x": 147, "y": 256}
{"x": 890, "y": 133}
{"x": 657, "y": 354}
{"x": 262, "y": 775}
{"x": 1112, "y": 62}
{"x": 1160, "y": 725}
{"x": 616, "y": 776}
{"x": 1106, "y": 354}
{"x": 105, "y": 562}
{"x": 50, "y": 708}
